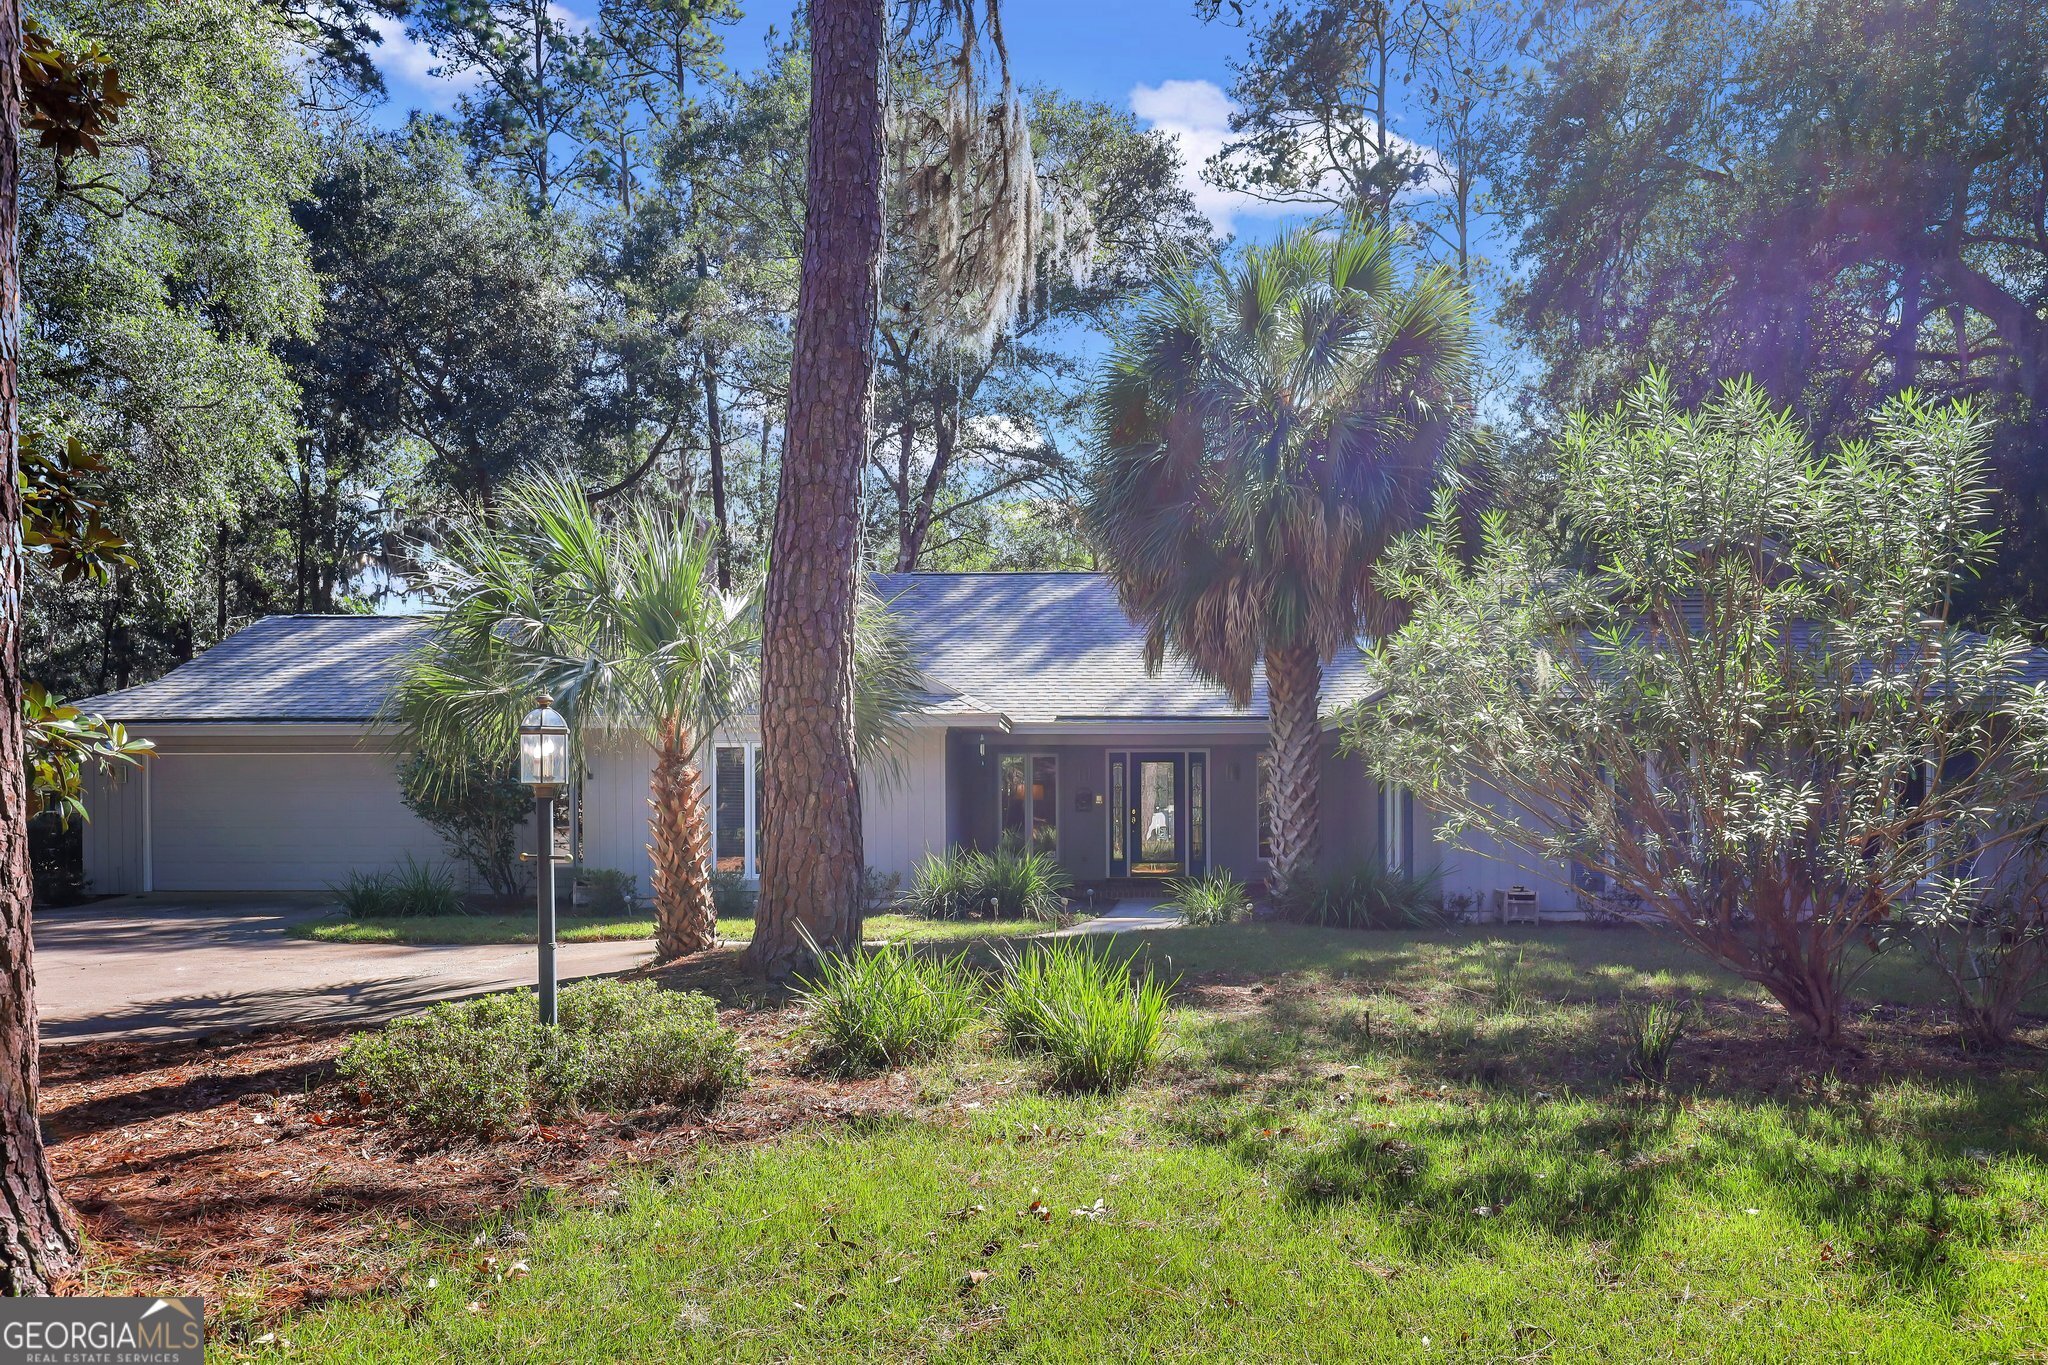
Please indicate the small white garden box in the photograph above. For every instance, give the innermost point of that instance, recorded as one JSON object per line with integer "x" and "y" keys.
{"x": 1518, "y": 903}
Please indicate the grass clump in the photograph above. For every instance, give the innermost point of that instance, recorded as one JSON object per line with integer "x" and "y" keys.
{"x": 1096, "y": 1024}
{"x": 1010, "y": 883}
{"x": 1217, "y": 898}
{"x": 1506, "y": 991}
{"x": 886, "y": 1006}
{"x": 1366, "y": 895}
{"x": 1651, "y": 1034}
{"x": 479, "y": 1068}
{"x": 410, "y": 890}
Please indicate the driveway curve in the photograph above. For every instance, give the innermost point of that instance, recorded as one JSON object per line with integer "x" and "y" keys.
{"x": 166, "y": 966}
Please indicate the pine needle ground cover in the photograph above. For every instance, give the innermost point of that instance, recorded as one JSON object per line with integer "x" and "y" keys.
{"x": 1349, "y": 1150}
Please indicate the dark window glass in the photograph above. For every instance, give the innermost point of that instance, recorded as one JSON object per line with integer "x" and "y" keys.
{"x": 729, "y": 808}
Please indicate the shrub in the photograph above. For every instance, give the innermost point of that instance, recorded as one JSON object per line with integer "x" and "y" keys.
{"x": 732, "y": 896}
{"x": 879, "y": 891}
{"x": 1024, "y": 884}
{"x": 1096, "y": 1026}
{"x": 420, "y": 889}
{"x": 1010, "y": 883}
{"x": 1652, "y": 1033}
{"x": 1365, "y": 895}
{"x": 1217, "y": 898}
{"x": 944, "y": 885}
{"x": 609, "y": 891}
{"x": 885, "y": 1006}
{"x": 646, "y": 1046}
{"x": 363, "y": 895}
{"x": 478, "y": 1068}
{"x": 478, "y": 807}
{"x": 1987, "y": 938}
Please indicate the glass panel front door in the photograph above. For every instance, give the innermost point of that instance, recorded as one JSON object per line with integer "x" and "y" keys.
{"x": 1158, "y": 815}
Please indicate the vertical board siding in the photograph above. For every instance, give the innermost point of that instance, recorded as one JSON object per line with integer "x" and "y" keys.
{"x": 112, "y": 839}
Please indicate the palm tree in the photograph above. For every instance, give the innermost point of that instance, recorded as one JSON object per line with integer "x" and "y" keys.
{"x": 1269, "y": 424}
{"x": 621, "y": 620}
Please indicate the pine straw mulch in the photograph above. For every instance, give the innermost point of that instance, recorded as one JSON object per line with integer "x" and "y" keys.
{"x": 233, "y": 1166}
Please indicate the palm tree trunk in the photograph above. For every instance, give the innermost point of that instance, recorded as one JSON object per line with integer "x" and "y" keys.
{"x": 38, "y": 1243}
{"x": 684, "y": 918}
{"x": 1294, "y": 682}
{"x": 811, "y": 854}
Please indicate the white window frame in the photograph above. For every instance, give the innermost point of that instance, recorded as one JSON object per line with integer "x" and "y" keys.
{"x": 1393, "y": 825}
{"x": 750, "y": 771}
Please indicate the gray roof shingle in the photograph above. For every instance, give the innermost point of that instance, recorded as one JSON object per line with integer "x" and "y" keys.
{"x": 1041, "y": 647}
{"x": 289, "y": 668}
{"x": 1034, "y": 647}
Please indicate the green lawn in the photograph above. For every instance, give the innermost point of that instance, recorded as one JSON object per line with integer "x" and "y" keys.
{"x": 594, "y": 929}
{"x": 1350, "y": 1153}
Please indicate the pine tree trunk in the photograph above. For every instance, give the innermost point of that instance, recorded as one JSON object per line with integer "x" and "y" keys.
{"x": 38, "y": 1244}
{"x": 811, "y": 854}
{"x": 1294, "y": 682}
{"x": 685, "y": 920}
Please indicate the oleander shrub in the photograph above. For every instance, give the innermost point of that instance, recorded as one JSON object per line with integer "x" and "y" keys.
{"x": 480, "y": 1068}
{"x": 884, "y": 1006}
{"x": 1096, "y": 1025}
{"x": 1217, "y": 898}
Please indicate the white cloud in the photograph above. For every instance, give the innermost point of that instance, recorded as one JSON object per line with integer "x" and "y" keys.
{"x": 410, "y": 66}
{"x": 1197, "y": 115}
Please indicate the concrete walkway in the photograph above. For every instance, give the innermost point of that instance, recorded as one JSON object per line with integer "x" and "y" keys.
{"x": 175, "y": 966}
{"x": 1132, "y": 914}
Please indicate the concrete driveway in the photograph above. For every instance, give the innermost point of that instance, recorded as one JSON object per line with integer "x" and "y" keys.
{"x": 169, "y": 966}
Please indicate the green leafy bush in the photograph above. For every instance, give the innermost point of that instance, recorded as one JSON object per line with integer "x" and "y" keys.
{"x": 646, "y": 1046}
{"x": 732, "y": 896}
{"x": 479, "y": 1068}
{"x": 1365, "y": 895}
{"x": 1010, "y": 883}
{"x": 478, "y": 806}
{"x": 885, "y": 1006}
{"x": 1217, "y": 898}
{"x": 1096, "y": 1025}
{"x": 608, "y": 891}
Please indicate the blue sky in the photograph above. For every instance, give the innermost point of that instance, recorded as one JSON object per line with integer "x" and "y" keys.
{"x": 1153, "y": 57}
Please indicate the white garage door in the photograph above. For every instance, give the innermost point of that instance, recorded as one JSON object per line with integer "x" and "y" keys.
{"x": 277, "y": 822}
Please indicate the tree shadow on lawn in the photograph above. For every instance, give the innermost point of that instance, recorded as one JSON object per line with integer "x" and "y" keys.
{"x": 1545, "y": 1128}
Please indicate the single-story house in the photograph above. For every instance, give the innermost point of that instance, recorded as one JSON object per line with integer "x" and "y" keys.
{"x": 1040, "y": 723}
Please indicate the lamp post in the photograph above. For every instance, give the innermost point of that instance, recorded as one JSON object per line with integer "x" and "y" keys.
{"x": 544, "y": 766}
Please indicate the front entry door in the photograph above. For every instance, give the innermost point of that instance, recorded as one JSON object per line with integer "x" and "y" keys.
{"x": 1158, "y": 814}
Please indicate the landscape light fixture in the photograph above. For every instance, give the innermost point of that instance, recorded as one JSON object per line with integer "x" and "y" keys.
{"x": 544, "y": 766}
